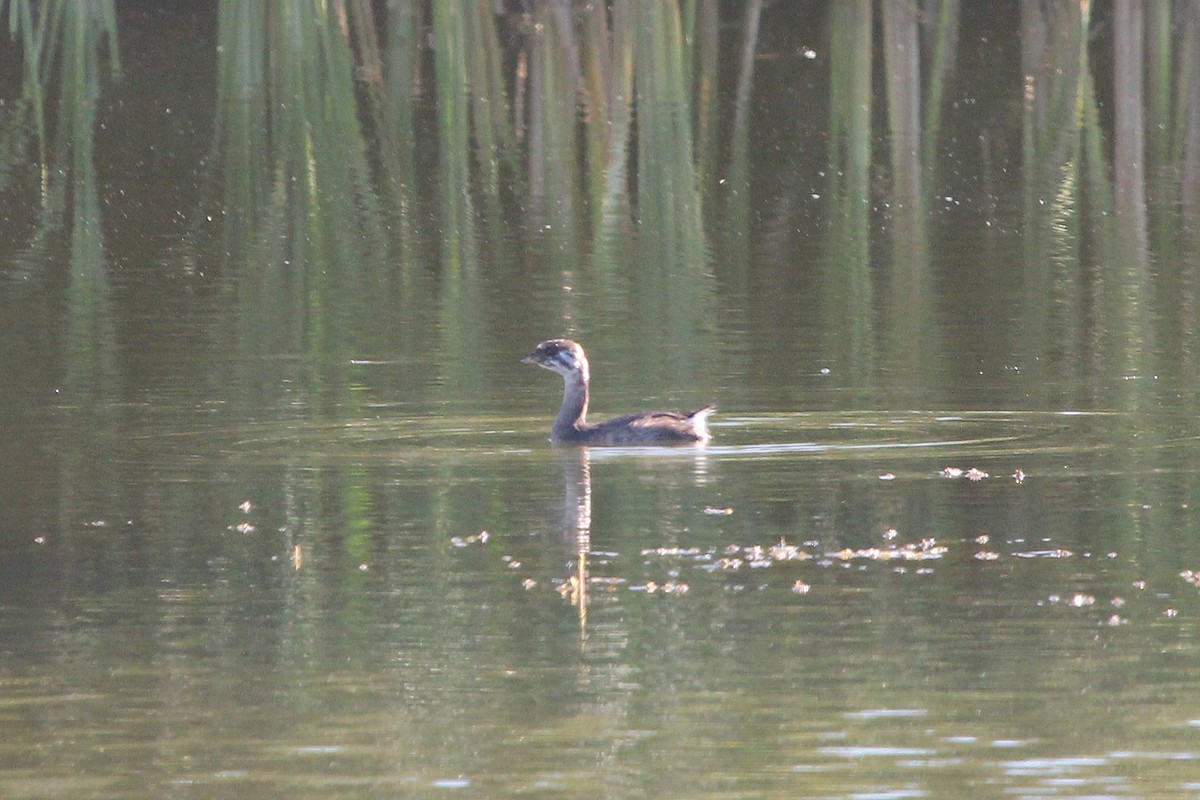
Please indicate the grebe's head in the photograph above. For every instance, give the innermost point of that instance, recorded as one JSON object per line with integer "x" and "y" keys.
{"x": 560, "y": 355}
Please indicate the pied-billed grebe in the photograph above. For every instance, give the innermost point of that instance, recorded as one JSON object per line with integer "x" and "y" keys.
{"x": 649, "y": 427}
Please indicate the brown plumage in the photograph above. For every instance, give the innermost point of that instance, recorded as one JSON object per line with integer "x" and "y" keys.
{"x": 648, "y": 427}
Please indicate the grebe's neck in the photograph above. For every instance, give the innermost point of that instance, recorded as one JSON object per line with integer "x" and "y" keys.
{"x": 572, "y": 417}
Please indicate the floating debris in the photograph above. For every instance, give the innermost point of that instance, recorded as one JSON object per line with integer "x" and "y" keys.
{"x": 800, "y": 587}
{"x": 1059, "y": 553}
{"x": 1191, "y": 577}
{"x": 888, "y": 476}
{"x": 245, "y": 506}
{"x": 467, "y": 541}
{"x": 672, "y": 551}
{"x": 971, "y": 474}
{"x": 297, "y": 557}
{"x": 987, "y": 555}
{"x": 1018, "y": 476}
{"x": 921, "y": 551}
{"x": 244, "y": 528}
{"x": 1080, "y": 600}
{"x": 890, "y": 533}
{"x": 788, "y": 552}
{"x": 670, "y": 587}
{"x": 528, "y": 583}
{"x": 734, "y": 556}
{"x": 718, "y": 512}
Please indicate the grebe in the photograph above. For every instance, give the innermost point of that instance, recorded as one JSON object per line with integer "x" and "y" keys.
{"x": 649, "y": 427}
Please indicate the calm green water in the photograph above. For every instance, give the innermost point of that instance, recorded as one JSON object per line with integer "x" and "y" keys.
{"x": 279, "y": 516}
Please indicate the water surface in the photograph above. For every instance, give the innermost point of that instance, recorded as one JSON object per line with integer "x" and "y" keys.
{"x": 278, "y": 513}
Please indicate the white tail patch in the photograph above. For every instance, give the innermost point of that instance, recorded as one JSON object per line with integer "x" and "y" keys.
{"x": 700, "y": 418}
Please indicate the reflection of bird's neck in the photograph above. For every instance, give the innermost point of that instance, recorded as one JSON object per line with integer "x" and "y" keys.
{"x": 577, "y": 505}
{"x": 577, "y": 494}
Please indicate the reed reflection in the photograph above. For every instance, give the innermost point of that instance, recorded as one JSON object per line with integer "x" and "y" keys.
{"x": 1130, "y": 347}
{"x": 908, "y": 350}
{"x": 847, "y": 278}
{"x": 91, "y": 372}
{"x": 304, "y": 232}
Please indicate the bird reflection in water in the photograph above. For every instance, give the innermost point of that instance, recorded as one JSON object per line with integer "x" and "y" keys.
{"x": 577, "y": 525}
